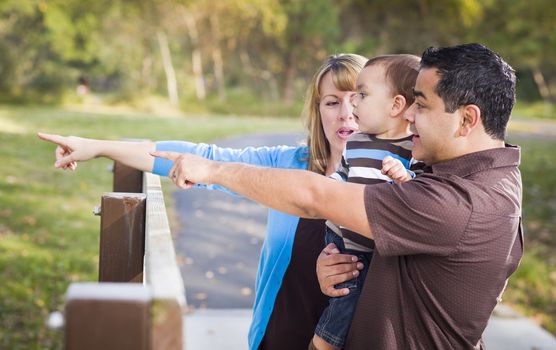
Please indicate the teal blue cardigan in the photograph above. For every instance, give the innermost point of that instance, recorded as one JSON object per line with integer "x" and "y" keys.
{"x": 277, "y": 247}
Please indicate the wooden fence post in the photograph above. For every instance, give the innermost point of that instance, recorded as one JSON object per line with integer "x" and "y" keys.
{"x": 162, "y": 273}
{"x": 127, "y": 179}
{"x": 166, "y": 325}
{"x": 122, "y": 237}
{"x": 107, "y": 316}
{"x": 135, "y": 246}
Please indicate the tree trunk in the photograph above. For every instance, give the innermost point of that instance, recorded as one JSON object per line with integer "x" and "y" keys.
{"x": 541, "y": 83}
{"x": 146, "y": 74}
{"x": 287, "y": 94}
{"x": 196, "y": 56}
{"x": 543, "y": 89}
{"x": 171, "y": 81}
{"x": 218, "y": 62}
{"x": 262, "y": 79}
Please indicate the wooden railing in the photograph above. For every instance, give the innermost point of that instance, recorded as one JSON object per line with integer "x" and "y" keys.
{"x": 138, "y": 301}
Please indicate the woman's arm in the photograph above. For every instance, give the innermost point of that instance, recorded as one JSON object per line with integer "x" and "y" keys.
{"x": 72, "y": 149}
{"x": 273, "y": 157}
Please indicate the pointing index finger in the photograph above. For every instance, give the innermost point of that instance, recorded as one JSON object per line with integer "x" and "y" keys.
{"x": 57, "y": 139}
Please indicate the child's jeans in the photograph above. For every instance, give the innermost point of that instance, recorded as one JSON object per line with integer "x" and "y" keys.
{"x": 334, "y": 322}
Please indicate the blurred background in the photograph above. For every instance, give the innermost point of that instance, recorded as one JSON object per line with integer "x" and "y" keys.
{"x": 202, "y": 70}
{"x": 246, "y": 54}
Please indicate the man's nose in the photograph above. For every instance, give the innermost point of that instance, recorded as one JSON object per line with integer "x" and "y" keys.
{"x": 409, "y": 115}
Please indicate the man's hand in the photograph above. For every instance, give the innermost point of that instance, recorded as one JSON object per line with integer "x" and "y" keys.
{"x": 394, "y": 169}
{"x": 70, "y": 150}
{"x": 188, "y": 169}
{"x": 334, "y": 268}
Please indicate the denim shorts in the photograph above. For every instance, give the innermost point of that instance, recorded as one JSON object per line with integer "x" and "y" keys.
{"x": 334, "y": 322}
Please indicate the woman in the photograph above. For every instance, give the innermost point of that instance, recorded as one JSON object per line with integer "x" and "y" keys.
{"x": 288, "y": 301}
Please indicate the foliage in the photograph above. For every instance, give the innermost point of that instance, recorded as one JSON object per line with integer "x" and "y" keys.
{"x": 535, "y": 110}
{"x": 270, "y": 47}
{"x": 532, "y": 289}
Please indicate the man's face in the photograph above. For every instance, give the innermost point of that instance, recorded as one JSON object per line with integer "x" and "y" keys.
{"x": 435, "y": 130}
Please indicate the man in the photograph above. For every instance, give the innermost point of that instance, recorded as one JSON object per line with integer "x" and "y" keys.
{"x": 445, "y": 242}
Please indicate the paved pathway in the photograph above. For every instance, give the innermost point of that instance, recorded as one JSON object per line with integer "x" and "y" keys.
{"x": 208, "y": 329}
{"x": 220, "y": 236}
{"x": 520, "y": 128}
{"x": 218, "y": 242}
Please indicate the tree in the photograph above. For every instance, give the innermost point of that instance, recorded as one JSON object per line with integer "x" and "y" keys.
{"x": 525, "y": 33}
{"x": 312, "y": 27}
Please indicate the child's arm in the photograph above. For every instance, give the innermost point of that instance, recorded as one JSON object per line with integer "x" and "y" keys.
{"x": 394, "y": 169}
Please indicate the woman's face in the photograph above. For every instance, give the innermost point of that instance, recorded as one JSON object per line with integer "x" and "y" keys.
{"x": 336, "y": 114}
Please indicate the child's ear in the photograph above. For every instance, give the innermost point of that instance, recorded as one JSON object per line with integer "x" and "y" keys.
{"x": 398, "y": 105}
{"x": 470, "y": 118}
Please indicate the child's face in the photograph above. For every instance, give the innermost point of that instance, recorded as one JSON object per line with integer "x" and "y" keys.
{"x": 373, "y": 103}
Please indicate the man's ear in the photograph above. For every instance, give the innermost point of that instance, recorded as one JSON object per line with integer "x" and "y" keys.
{"x": 470, "y": 119}
{"x": 398, "y": 105}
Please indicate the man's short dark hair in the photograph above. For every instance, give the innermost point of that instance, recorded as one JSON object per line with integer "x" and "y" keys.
{"x": 473, "y": 74}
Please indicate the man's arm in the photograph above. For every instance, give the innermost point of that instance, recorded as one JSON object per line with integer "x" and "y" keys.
{"x": 297, "y": 192}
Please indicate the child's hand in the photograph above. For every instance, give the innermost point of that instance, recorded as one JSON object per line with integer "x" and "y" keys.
{"x": 394, "y": 169}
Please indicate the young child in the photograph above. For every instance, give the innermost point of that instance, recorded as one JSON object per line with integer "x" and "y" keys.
{"x": 380, "y": 152}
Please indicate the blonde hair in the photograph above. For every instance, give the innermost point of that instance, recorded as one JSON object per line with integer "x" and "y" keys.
{"x": 344, "y": 69}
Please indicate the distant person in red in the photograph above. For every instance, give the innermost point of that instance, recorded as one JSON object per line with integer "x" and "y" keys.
{"x": 82, "y": 86}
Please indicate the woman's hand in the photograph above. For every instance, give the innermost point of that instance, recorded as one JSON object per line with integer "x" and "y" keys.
{"x": 334, "y": 268}
{"x": 70, "y": 150}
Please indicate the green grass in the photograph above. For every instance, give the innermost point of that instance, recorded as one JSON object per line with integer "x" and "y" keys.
{"x": 48, "y": 235}
{"x": 532, "y": 289}
{"x": 49, "y": 238}
{"x": 535, "y": 110}
{"x": 239, "y": 101}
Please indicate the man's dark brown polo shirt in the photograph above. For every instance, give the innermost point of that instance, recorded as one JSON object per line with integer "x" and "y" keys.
{"x": 446, "y": 242}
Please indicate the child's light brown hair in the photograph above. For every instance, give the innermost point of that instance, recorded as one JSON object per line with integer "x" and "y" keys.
{"x": 401, "y": 73}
